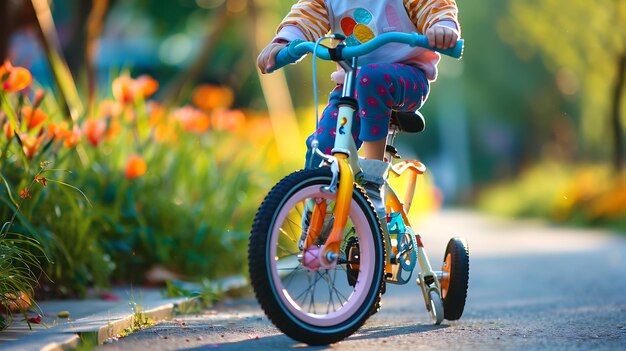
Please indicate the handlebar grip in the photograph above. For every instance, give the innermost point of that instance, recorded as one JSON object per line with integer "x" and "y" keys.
{"x": 455, "y": 52}
{"x": 286, "y": 56}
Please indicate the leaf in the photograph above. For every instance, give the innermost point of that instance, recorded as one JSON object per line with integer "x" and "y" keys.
{"x": 21, "y": 217}
{"x": 47, "y": 146}
{"x": 71, "y": 187}
{"x": 6, "y": 106}
{"x": 6, "y": 184}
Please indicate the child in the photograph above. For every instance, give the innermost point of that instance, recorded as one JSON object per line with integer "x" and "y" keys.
{"x": 395, "y": 76}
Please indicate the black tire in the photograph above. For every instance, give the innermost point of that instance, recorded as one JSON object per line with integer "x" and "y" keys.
{"x": 270, "y": 287}
{"x": 454, "y": 293}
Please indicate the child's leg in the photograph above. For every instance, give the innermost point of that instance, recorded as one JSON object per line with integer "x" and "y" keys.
{"x": 374, "y": 150}
{"x": 381, "y": 88}
{"x": 326, "y": 130}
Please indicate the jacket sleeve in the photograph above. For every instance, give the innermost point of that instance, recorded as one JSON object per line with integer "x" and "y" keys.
{"x": 310, "y": 16}
{"x": 425, "y": 13}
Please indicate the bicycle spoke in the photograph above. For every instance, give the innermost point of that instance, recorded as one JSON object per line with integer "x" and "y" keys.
{"x": 294, "y": 227}
{"x": 312, "y": 301}
{"x": 289, "y": 278}
{"x": 286, "y": 234}
{"x": 287, "y": 253}
{"x": 330, "y": 293}
{"x": 338, "y": 293}
{"x": 311, "y": 288}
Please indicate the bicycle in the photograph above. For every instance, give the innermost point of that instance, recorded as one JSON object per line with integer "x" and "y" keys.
{"x": 321, "y": 289}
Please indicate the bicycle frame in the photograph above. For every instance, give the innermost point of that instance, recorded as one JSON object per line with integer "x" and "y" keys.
{"x": 394, "y": 205}
{"x": 344, "y": 162}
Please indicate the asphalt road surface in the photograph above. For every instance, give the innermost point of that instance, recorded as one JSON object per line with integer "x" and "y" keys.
{"x": 532, "y": 287}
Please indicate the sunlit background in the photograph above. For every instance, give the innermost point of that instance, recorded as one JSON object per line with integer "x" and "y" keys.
{"x": 163, "y": 137}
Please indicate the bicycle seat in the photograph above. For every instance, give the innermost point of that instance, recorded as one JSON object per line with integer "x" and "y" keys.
{"x": 407, "y": 121}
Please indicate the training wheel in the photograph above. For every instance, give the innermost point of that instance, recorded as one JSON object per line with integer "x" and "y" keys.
{"x": 455, "y": 278}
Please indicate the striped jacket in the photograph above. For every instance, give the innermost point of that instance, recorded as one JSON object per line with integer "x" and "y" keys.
{"x": 310, "y": 19}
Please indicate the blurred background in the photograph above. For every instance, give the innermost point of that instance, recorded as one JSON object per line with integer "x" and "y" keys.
{"x": 163, "y": 137}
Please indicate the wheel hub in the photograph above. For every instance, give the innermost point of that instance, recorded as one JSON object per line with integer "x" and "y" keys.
{"x": 313, "y": 261}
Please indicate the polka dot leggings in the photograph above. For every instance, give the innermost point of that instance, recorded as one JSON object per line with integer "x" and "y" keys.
{"x": 380, "y": 88}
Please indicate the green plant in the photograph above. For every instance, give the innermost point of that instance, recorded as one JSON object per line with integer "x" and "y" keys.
{"x": 139, "y": 322}
{"x": 205, "y": 293}
{"x": 19, "y": 263}
{"x": 167, "y": 186}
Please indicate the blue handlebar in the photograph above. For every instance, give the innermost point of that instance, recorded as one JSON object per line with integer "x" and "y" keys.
{"x": 298, "y": 48}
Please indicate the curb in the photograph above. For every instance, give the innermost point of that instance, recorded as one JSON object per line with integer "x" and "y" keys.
{"x": 101, "y": 331}
{"x": 102, "y": 322}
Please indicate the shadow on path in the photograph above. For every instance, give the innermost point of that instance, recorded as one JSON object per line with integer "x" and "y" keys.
{"x": 282, "y": 342}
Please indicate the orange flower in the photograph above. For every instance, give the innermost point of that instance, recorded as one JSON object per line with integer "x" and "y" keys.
{"x": 192, "y": 120}
{"x": 17, "y": 78}
{"x": 230, "y": 120}
{"x": 25, "y": 193}
{"x": 110, "y": 108}
{"x": 146, "y": 86}
{"x": 31, "y": 144}
{"x": 122, "y": 87}
{"x": 34, "y": 118}
{"x": 72, "y": 138}
{"x": 8, "y": 131}
{"x": 164, "y": 128}
{"x": 5, "y": 68}
{"x": 43, "y": 180}
{"x": 156, "y": 113}
{"x": 58, "y": 131}
{"x": 208, "y": 97}
{"x": 39, "y": 95}
{"x": 94, "y": 129}
{"x": 135, "y": 167}
{"x": 114, "y": 128}
{"x": 126, "y": 90}
{"x": 165, "y": 131}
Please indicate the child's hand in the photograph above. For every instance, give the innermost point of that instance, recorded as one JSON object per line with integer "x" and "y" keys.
{"x": 267, "y": 57}
{"x": 441, "y": 36}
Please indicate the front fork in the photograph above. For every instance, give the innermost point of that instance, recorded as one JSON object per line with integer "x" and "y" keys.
{"x": 330, "y": 251}
{"x": 327, "y": 255}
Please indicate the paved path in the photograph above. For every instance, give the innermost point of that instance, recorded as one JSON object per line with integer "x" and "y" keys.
{"x": 532, "y": 286}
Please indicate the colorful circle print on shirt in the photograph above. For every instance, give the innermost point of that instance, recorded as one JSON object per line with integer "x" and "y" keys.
{"x": 357, "y": 28}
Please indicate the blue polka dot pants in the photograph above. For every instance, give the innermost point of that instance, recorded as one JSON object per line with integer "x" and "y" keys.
{"x": 380, "y": 88}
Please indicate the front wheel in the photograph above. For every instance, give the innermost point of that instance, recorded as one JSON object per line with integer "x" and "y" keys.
{"x": 455, "y": 278}
{"x": 319, "y": 306}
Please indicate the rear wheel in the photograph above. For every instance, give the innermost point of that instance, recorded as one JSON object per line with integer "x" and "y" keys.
{"x": 455, "y": 278}
{"x": 319, "y": 306}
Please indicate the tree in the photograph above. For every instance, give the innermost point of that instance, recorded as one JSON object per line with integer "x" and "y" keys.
{"x": 584, "y": 44}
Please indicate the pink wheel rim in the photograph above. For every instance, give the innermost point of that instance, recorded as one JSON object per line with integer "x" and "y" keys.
{"x": 358, "y": 295}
